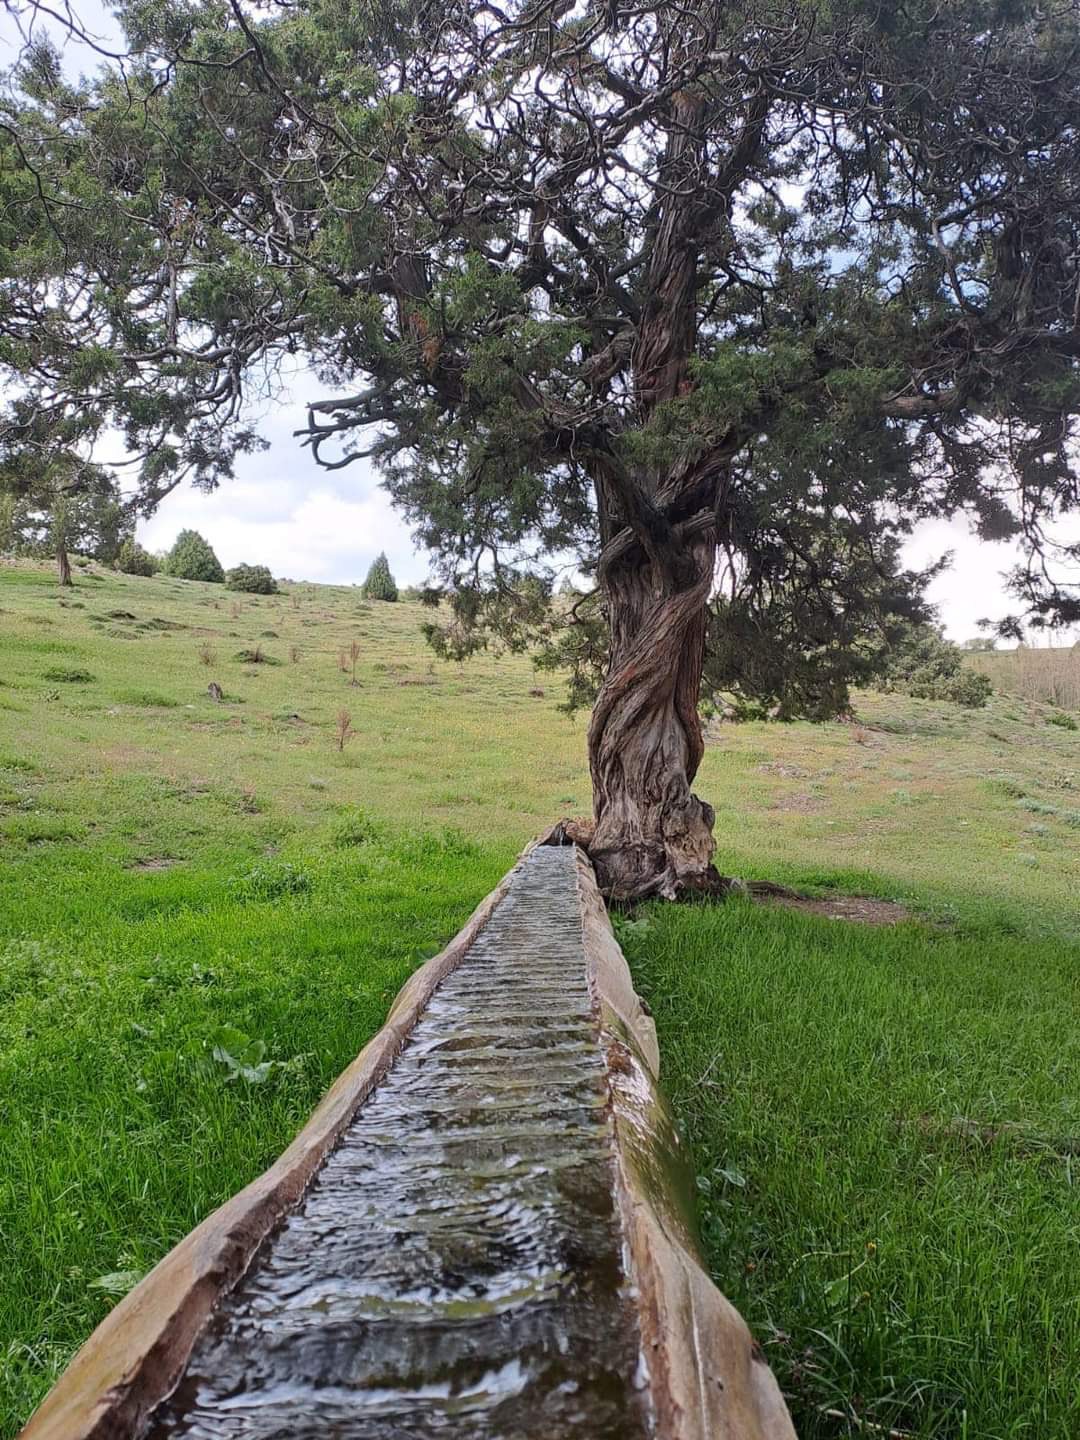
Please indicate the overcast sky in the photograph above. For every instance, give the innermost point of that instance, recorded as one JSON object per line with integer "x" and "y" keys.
{"x": 283, "y": 511}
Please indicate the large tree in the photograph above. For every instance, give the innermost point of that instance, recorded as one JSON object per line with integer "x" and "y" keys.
{"x": 58, "y": 505}
{"x": 641, "y": 287}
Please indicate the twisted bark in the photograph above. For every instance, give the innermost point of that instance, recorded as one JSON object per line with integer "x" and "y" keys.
{"x": 653, "y": 836}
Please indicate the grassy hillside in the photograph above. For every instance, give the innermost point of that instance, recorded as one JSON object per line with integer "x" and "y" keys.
{"x": 205, "y": 908}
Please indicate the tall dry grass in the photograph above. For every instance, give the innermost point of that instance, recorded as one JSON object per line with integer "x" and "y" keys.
{"x": 1050, "y": 675}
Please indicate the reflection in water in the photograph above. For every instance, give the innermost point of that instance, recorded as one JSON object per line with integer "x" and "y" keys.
{"x": 455, "y": 1269}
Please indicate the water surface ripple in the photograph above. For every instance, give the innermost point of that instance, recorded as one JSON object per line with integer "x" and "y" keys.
{"x": 455, "y": 1269}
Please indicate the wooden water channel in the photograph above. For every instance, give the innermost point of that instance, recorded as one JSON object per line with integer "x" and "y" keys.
{"x": 484, "y": 1231}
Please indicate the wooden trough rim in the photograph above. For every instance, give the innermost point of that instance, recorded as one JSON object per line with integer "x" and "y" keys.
{"x": 707, "y": 1379}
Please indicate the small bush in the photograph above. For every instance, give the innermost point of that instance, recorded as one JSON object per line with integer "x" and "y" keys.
{"x": 356, "y": 828}
{"x": 380, "y": 584}
{"x": 929, "y": 667}
{"x": 968, "y": 688}
{"x": 191, "y": 558}
{"x": 258, "y": 656}
{"x": 252, "y": 579}
{"x": 132, "y": 559}
{"x": 1062, "y": 719}
{"x": 75, "y": 676}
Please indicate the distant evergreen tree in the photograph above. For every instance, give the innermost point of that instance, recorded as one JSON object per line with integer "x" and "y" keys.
{"x": 191, "y": 558}
{"x": 132, "y": 559}
{"x": 254, "y": 579}
{"x": 380, "y": 584}
{"x": 60, "y": 507}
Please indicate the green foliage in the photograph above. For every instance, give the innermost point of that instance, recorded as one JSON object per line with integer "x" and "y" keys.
{"x": 191, "y": 558}
{"x": 926, "y": 665}
{"x": 254, "y": 579}
{"x": 132, "y": 559}
{"x": 495, "y": 310}
{"x": 354, "y": 828}
{"x": 76, "y": 507}
{"x": 380, "y": 584}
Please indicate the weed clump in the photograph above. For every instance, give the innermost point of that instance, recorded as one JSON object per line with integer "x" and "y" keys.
{"x": 272, "y": 882}
{"x": 74, "y": 676}
{"x": 355, "y": 828}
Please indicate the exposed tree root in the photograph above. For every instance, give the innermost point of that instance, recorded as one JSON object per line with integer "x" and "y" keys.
{"x": 709, "y": 885}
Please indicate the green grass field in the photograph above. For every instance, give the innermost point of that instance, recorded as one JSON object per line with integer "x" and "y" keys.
{"x": 205, "y": 909}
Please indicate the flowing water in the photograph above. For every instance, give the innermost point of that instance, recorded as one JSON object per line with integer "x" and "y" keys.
{"x": 455, "y": 1269}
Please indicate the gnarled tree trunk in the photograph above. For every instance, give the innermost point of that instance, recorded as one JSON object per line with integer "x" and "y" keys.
{"x": 63, "y": 564}
{"x": 653, "y": 836}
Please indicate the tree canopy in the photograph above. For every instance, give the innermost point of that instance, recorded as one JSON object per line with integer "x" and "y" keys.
{"x": 63, "y": 507}
{"x": 254, "y": 579}
{"x": 193, "y": 558}
{"x": 704, "y": 300}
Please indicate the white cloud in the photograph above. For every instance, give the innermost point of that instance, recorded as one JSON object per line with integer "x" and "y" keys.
{"x": 303, "y": 522}
{"x": 974, "y": 584}
{"x": 293, "y": 523}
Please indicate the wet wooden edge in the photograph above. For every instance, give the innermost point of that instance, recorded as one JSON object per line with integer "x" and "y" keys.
{"x": 707, "y": 1376}
{"x": 136, "y": 1356}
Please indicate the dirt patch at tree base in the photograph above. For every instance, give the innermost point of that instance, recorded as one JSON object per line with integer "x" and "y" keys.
{"x": 862, "y": 909}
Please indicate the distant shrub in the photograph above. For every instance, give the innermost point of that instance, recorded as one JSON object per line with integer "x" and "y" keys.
{"x": 344, "y": 731}
{"x": 253, "y": 579}
{"x": 132, "y": 559}
{"x": 968, "y": 688}
{"x": 380, "y": 584}
{"x": 191, "y": 558}
{"x": 74, "y": 676}
{"x": 258, "y": 656}
{"x": 929, "y": 667}
{"x": 1065, "y": 721}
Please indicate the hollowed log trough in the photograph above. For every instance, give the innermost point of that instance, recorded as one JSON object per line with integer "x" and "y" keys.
{"x": 485, "y": 1230}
